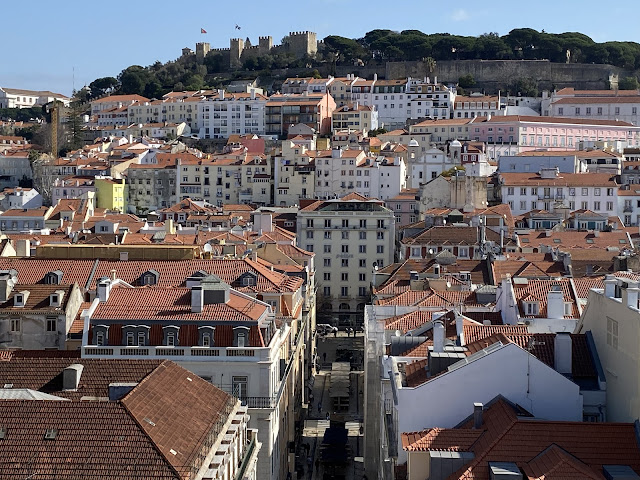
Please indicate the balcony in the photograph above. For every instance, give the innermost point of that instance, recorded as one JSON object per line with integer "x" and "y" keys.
{"x": 192, "y": 354}
{"x": 627, "y": 209}
{"x": 249, "y": 456}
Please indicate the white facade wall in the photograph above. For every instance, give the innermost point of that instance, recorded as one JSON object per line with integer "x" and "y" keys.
{"x": 598, "y": 110}
{"x": 509, "y": 371}
{"x": 522, "y": 199}
{"x": 221, "y": 117}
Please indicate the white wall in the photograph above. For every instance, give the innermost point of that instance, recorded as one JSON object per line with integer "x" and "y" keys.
{"x": 509, "y": 371}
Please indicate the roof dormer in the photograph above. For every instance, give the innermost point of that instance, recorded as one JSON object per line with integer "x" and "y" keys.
{"x": 20, "y": 298}
{"x": 53, "y": 278}
{"x": 55, "y": 299}
{"x": 150, "y": 277}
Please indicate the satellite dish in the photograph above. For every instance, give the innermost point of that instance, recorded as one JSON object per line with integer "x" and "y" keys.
{"x": 448, "y": 284}
{"x": 431, "y": 251}
{"x": 375, "y": 267}
{"x": 398, "y": 333}
{"x": 207, "y": 247}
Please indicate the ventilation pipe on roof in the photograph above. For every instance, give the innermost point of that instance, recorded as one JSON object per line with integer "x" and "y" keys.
{"x": 103, "y": 289}
{"x": 562, "y": 353}
{"x": 438, "y": 336}
{"x": 477, "y": 415}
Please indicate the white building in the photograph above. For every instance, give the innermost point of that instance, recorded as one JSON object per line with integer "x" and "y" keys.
{"x": 227, "y": 114}
{"x": 19, "y": 197}
{"x": 20, "y": 98}
{"x": 622, "y": 105}
{"x": 549, "y": 190}
{"x": 115, "y": 101}
{"x": 477, "y": 105}
{"x": 349, "y": 236}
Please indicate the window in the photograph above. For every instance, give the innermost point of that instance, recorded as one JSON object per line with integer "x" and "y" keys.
{"x": 52, "y": 325}
{"x": 240, "y": 385}
{"x": 309, "y": 233}
{"x": 585, "y": 192}
{"x": 362, "y": 249}
{"x": 531, "y": 308}
{"x": 206, "y": 340}
{"x": 572, "y": 192}
{"x": 344, "y": 277}
{"x": 141, "y": 339}
{"x": 345, "y": 262}
{"x": 327, "y": 262}
{"x": 362, "y": 263}
{"x": 345, "y": 223}
{"x": 609, "y": 192}
{"x": 327, "y": 249}
{"x": 523, "y": 190}
{"x": 568, "y": 309}
{"x": 344, "y": 291}
{"x": 362, "y": 235}
{"x": 463, "y": 252}
{"x": 310, "y": 223}
{"x": 380, "y": 223}
{"x": 509, "y": 190}
{"x": 380, "y": 249}
{"x": 362, "y": 291}
{"x": 326, "y": 291}
{"x": 327, "y": 235}
{"x": 15, "y": 324}
{"x": 171, "y": 339}
{"x": 596, "y": 205}
{"x": 380, "y": 235}
{"x": 100, "y": 339}
{"x": 130, "y": 339}
{"x": 345, "y": 248}
{"x": 596, "y": 191}
{"x": 362, "y": 277}
{"x": 327, "y": 276}
{"x": 327, "y": 223}
{"x": 584, "y": 205}
{"x": 609, "y": 206}
{"x": 612, "y": 333}
{"x": 363, "y": 223}
{"x": 345, "y": 235}
{"x": 241, "y": 339}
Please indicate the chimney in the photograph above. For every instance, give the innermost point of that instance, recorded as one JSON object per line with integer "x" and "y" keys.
{"x": 253, "y": 94}
{"x": 23, "y": 248}
{"x": 169, "y": 226}
{"x": 555, "y": 302}
{"x": 459, "y": 328}
{"x": 197, "y": 299}
{"x": 632, "y": 297}
{"x": 438, "y": 336}
{"x": 375, "y": 77}
{"x": 113, "y": 275}
{"x": 413, "y": 275}
{"x": 221, "y": 94}
{"x": 610, "y": 284}
{"x": 477, "y": 415}
{"x": 103, "y": 289}
{"x": 71, "y": 376}
{"x": 562, "y": 353}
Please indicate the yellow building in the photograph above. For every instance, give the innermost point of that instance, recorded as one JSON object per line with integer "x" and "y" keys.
{"x": 111, "y": 193}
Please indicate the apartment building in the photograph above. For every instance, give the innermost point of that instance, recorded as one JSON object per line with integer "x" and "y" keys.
{"x": 355, "y": 116}
{"x": 548, "y": 190}
{"x": 21, "y": 98}
{"x": 350, "y": 236}
{"x": 512, "y": 134}
{"x": 312, "y": 109}
{"x": 115, "y": 101}
{"x": 294, "y": 173}
{"x": 228, "y": 337}
{"x": 153, "y": 184}
{"x": 477, "y": 105}
{"x": 443, "y": 130}
{"x": 226, "y": 114}
{"x": 170, "y": 110}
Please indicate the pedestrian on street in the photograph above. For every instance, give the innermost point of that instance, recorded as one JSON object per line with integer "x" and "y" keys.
{"x": 335, "y": 333}
{"x": 328, "y": 416}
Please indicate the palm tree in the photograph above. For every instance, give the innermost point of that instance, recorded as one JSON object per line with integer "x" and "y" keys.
{"x": 431, "y": 64}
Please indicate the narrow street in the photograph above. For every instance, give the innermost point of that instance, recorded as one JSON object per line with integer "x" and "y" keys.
{"x": 331, "y": 460}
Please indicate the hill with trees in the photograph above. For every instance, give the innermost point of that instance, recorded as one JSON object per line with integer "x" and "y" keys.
{"x": 376, "y": 46}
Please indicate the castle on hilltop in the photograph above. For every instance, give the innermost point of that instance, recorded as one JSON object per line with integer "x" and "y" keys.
{"x": 300, "y": 44}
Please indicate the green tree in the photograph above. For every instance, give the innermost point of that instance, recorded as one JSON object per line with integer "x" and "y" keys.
{"x": 430, "y": 63}
{"x": 102, "y": 86}
{"x": 466, "y": 81}
{"x": 250, "y": 63}
{"x": 628, "y": 83}
{"x": 74, "y": 124}
{"x": 526, "y": 87}
{"x": 133, "y": 80}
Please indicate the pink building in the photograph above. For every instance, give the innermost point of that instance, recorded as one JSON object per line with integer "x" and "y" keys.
{"x": 512, "y": 134}
{"x": 405, "y": 206}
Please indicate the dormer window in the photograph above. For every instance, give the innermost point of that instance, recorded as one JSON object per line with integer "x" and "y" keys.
{"x": 171, "y": 339}
{"x": 568, "y": 309}
{"x": 53, "y": 278}
{"x": 248, "y": 281}
{"x": 241, "y": 339}
{"x": 150, "y": 277}
{"x": 100, "y": 339}
{"x": 531, "y": 308}
{"x": 130, "y": 339}
{"x": 142, "y": 339}
{"x": 20, "y": 299}
{"x": 206, "y": 340}
{"x": 206, "y": 336}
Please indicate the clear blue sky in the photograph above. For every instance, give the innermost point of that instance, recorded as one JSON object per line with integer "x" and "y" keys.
{"x": 43, "y": 40}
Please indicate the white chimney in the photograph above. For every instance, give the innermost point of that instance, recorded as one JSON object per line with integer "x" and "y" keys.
{"x": 610, "y": 284}
{"x": 23, "y": 248}
{"x": 555, "y": 302}
{"x": 71, "y": 376}
{"x": 113, "y": 275}
{"x": 477, "y": 415}
{"x": 221, "y": 94}
{"x": 459, "y": 328}
{"x": 562, "y": 353}
{"x": 438, "y": 336}
{"x": 253, "y": 94}
{"x": 375, "y": 77}
{"x": 103, "y": 289}
{"x": 197, "y": 299}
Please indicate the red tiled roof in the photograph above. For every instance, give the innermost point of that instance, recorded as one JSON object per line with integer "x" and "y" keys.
{"x": 170, "y": 304}
{"x": 536, "y": 291}
{"x": 450, "y": 440}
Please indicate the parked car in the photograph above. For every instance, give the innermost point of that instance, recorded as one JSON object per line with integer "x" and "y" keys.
{"x": 325, "y": 329}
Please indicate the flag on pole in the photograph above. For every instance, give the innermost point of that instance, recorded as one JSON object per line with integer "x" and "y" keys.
{"x": 202, "y": 30}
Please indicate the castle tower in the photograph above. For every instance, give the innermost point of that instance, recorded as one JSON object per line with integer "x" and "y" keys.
{"x": 236, "y": 46}
{"x": 265, "y": 44}
{"x": 302, "y": 43}
{"x": 202, "y": 49}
